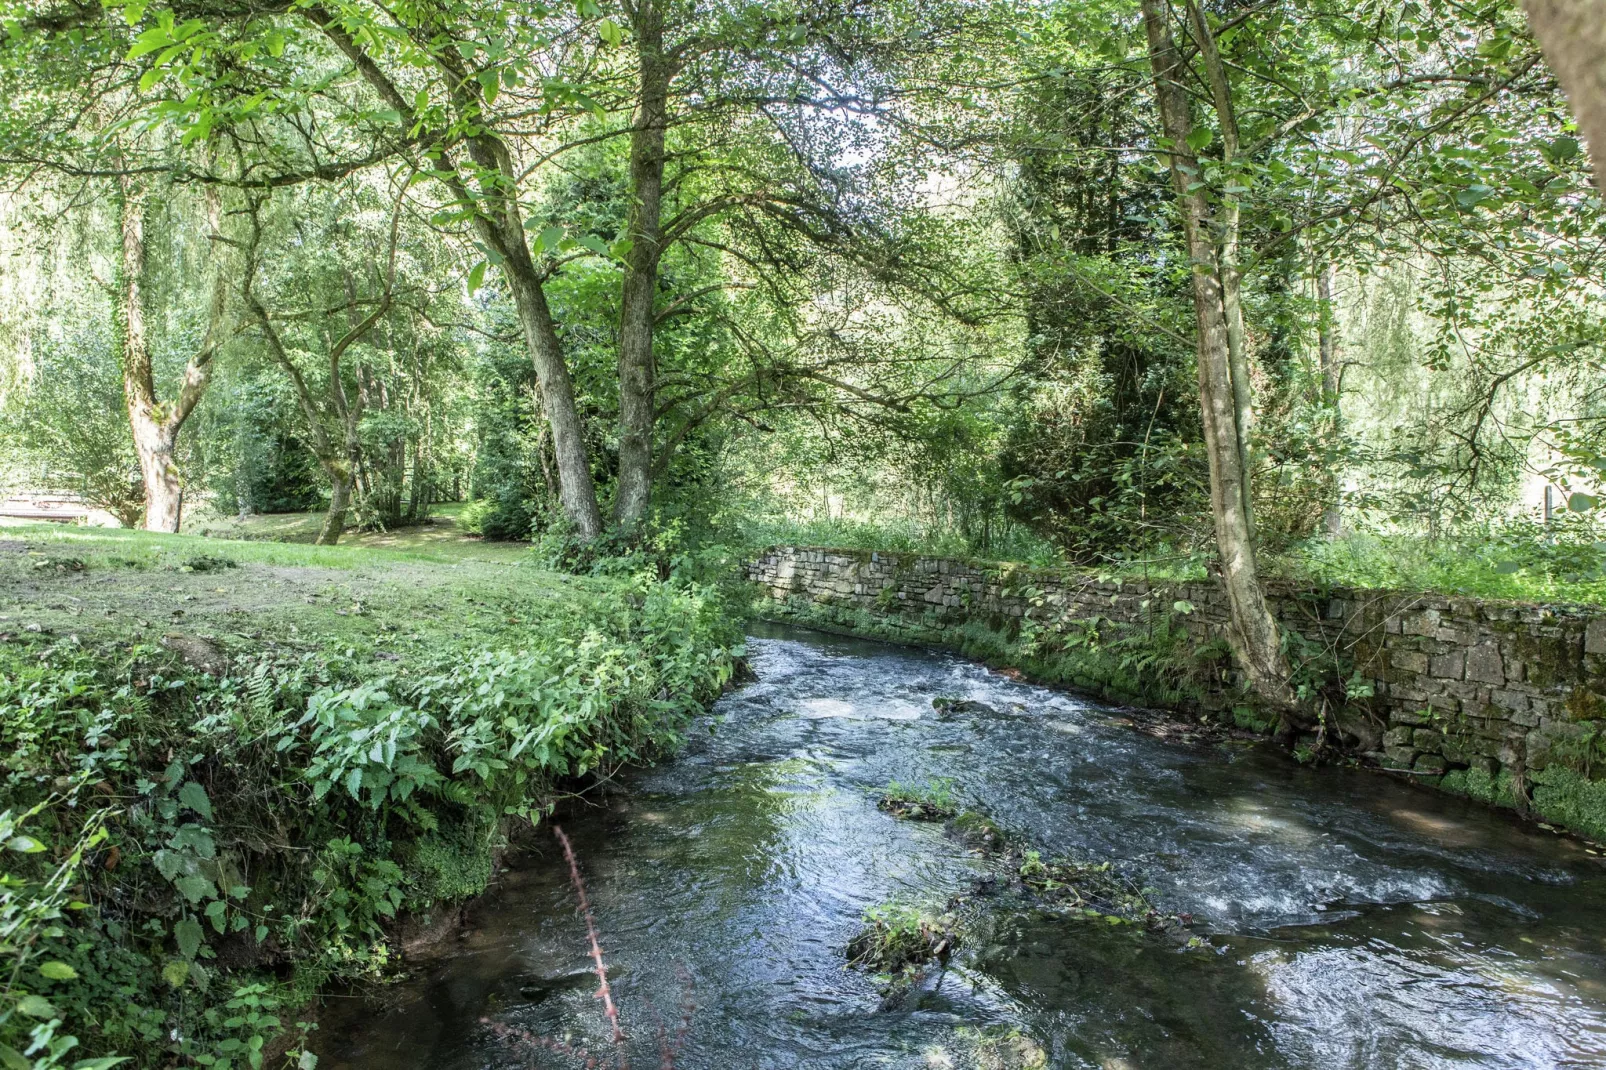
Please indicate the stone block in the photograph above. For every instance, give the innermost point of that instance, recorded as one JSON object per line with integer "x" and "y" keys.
{"x": 1595, "y": 636}
{"x": 1408, "y": 660}
{"x": 1424, "y": 623}
{"x": 1398, "y": 737}
{"x": 1485, "y": 665}
{"x": 1515, "y": 701}
{"x": 1430, "y": 764}
{"x": 1427, "y": 739}
{"x": 1451, "y": 666}
{"x": 1398, "y": 757}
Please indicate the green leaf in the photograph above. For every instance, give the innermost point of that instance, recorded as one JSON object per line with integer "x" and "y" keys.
{"x": 194, "y": 796}
{"x": 176, "y": 972}
{"x": 594, "y": 243}
{"x": 308, "y": 1061}
{"x": 215, "y": 911}
{"x": 36, "y": 1007}
{"x": 1582, "y": 503}
{"x": 548, "y": 240}
{"x": 275, "y": 43}
{"x": 1506, "y": 568}
{"x": 610, "y": 32}
{"x": 105, "y": 1062}
{"x": 13, "y": 1059}
{"x": 476, "y": 275}
{"x": 1199, "y": 138}
{"x": 133, "y": 12}
{"x": 25, "y": 845}
{"x": 196, "y": 888}
{"x": 188, "y": 933}
{"x": 58, "y": 971}
{"x": 621, "y": 248}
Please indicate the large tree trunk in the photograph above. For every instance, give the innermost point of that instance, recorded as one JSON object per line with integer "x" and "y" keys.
{"x": 575, "y": 486}
{"x": 1572, "y": 34}
{"x": 640, "y": 289}
{"x": 1327, "y": 364}
{"x": 154, "y": 439}
{"x": 155, "y": 425}
{"x": 499, "y": 224}
{"x": 341, "y": 478}
{"x": 1254, "y": 635}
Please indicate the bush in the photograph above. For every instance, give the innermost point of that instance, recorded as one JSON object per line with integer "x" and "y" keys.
{"x": 235, "y": 841}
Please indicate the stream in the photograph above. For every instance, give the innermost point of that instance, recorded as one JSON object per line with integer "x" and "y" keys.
{"x": 1353, "y": 920}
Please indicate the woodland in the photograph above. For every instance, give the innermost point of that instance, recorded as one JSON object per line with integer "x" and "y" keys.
{"x": 1305, "y": 290}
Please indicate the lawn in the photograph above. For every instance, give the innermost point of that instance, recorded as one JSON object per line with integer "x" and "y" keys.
{"x": 440, "y": 537}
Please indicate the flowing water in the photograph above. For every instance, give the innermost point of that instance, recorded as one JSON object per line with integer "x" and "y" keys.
{"x": 1354, "y": 921}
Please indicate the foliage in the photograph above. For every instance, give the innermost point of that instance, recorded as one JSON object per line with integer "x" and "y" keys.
{"x": 900, "y": 938}
{"x": 1521, "y": 560}
{"x": 402, "y": 763}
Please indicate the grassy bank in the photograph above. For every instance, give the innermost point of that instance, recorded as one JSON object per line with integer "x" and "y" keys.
{"x": 235, "y": 772}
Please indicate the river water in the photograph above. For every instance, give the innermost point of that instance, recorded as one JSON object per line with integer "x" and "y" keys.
{"x": 1354, "y": 921}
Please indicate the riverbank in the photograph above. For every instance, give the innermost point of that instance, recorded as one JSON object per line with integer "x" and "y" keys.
{"x": 1501, "y": 702}
{"x": 237, "y": 772}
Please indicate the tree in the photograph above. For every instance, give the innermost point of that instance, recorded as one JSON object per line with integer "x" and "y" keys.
{"x": 334, "y": 421}
{"x": 156, "y": 424}
{"x": 1254, "y": 633}
{"x": 1573, "y": 35}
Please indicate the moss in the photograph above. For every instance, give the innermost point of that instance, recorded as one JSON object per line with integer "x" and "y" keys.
{"x": 1477, "y": 784}
{"x": 1566, "y": 797}
{"x": 455, "y": 862}
{"x": 1584, "y": 705}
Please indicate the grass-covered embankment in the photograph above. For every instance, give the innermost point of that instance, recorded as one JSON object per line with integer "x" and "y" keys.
{"x": 234, "y": 771}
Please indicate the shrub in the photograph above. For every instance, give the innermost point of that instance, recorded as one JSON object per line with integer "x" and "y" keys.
{"x": 236, "y": 840}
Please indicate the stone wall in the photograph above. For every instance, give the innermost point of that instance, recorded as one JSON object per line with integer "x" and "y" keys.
{"x": 1502, "y": 701}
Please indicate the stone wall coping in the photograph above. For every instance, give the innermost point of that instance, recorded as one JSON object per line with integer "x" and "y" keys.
{"x": 1442, "y": 601}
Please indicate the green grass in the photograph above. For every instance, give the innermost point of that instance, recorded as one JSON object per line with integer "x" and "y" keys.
{"x": 253, "y": 762}
{"x": 440, "y": 538}
{"x": 1517, "y": 565}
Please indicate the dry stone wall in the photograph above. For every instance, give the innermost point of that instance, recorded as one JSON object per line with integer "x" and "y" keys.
{"x": 1502, "y": 701}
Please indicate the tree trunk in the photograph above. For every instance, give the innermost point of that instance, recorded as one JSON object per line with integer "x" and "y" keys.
{"x": 1227, "y": 255}
{"x": 153, "y": 438}
{"x": 1327, "y": 363}
{"x": 155, "y": 426}
{"x": 1572, "y": 34}
{"x": 640, "y": 288}
{"x": 575, "y": 487}
{"x": 1254, "y": 634}
{"x": 334, "y": 521}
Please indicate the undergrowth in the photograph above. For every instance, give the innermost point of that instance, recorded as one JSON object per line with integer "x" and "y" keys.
{"x": 191, "y": 855}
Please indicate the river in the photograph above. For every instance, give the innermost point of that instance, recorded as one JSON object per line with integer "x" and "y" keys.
{"x": 1353, "y": 920}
